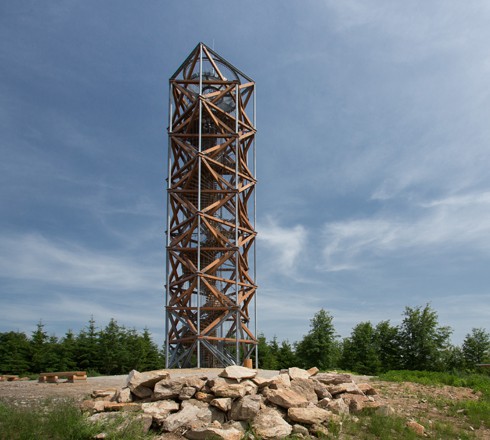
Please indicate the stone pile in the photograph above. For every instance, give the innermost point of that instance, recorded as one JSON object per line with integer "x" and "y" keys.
{"x": 297, "y": 401}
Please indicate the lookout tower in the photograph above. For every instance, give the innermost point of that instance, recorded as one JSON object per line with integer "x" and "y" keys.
{"x": 210, "y": 281}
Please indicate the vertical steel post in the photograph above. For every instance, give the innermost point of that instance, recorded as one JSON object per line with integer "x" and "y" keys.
{"x": 237, "y": 199}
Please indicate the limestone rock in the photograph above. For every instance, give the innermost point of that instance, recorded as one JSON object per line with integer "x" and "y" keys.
{"x": 261, "y": 382}
{"x": 245, "y": 408}
{"x": 298, "y": 373}
{"x": 115, "y": 406}
{"x": 148, "y": 379}
{"x": 301, "y": 430}
{"x": 93, "y": 406}
{"x": 106, "y": 394}
{"x": 207, "y": 413}
{"x": 238, "y": 373}
{"x": 313, "y": 371}
{"x": 367, "y": 389}
{"x": 348, "y": 387}
{"x": 184, "y": 417}
{"x": 333, "y": 378}
{"x": 203, "y": 397}
{"x": 305, "y": 388}
{"x": 285, "y": 398}
{"x": 187, "y": 393}
{"x": 309, "y": 416}
{"x": 319, "y": 430}
{"x": 160, "y": 410}
{"x": 337, "y": 406}
{"x": 209, "y": 432}
{"x": 123, "y": 395}
{"x": 280, "y": 381}
{"x": 356, "y": 402}
{"x": 321, "y": 389}
{"x": 416, "y": 427}
{"x": 171, "y": 388}
{"x": 223, "y": 403}
{"x": 269, "y": 424}
{"x": 228, "y": 388}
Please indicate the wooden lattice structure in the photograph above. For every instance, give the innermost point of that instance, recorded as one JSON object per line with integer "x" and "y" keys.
{"x": 210, "y": 288}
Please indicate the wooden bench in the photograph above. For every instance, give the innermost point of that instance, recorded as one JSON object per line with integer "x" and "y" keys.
{"x": 71, "y": 376}
{"x": 8, "y": 377}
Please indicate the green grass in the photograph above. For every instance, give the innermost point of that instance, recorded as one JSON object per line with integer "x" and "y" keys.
{"x": 477, "y": 412}
{"x": 60, "y": 420}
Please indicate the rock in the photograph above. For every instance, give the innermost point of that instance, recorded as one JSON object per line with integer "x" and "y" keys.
{"x": 348, "y": 387}
{"x": 171, "y": 388}
{"x": 123, "y": 395}
{"x": 245, "y": 408}
{"x": 305, "y": 388}
{"x": 92, "y": 406}
{"x": 333, "y": 378}
{"x": 238, "y": 373}
{"x": 367, "y": 389}
{"x": 227, "y": 388}
{"x": 148, "y": 379}
{"x": 309, "y": 416}
{"x": 337, "y": 406}
{"x": 385, "y": 410}
{"x": 250, "y": 387}
{"x": 223, "y": 403}
{"x": 301, "y": 430}
{"x": 280, "y": 381}
{"x": 285, "y": 398}
{"x": 261, "y": 382}
{"x": 160, "y": 410}
{"x": 184, "y": 417}
{"x": 298, "y": 373}
{"x": 115, "y": 406}
{"x": 107, "y": 394}
{"x": 142, "y": 392}
{"x": 207, "y": 413}
{"x": 416, "y": 427}
{"x": 319, "y": 430}
{"x": 187, "y": 393}
{"x": 321, "y": 389}
{"x": 356, "y": 402}
{"x": 204, "y": 397}
{"x": 269, "y": 424}
{"x": 209, "y": 432}
{"x": 313, "y": 371}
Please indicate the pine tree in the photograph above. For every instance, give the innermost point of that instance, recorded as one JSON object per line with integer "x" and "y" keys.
{"x": 476, "y": 347}
{"x": 15, "y": 353}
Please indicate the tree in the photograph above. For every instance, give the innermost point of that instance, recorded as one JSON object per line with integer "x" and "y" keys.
{"x": 319, "y": 348}
{"x": 422, "y": 340}
{"x": 359, "y": 351}
{"x": 15, "y": 353}
{"x": 44, "y": 350}
{"x": 387, "y": 345}
{"x": 286, "y": 357}
{"x": 476, "y": 347}
{"x": 87, "y": 347}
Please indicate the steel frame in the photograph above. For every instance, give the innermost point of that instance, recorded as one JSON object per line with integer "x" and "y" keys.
{"x": 210, "y": 291}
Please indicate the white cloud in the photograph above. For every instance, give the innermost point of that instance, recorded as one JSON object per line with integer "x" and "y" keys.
{"x": 34, "y": 257}
{"x": 282, "y": 245}
{"x": 454, "y": 222}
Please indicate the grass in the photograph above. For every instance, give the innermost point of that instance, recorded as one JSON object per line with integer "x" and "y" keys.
{"x": 477, "y": 412}
{"x": 60, "y": 420}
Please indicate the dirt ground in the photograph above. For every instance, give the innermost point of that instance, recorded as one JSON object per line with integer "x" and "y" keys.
{"x": 423, "y": 403}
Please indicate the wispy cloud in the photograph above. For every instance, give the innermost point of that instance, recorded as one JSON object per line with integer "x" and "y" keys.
{"x": 455, "y": 222}
{"x": 34, "y": 257}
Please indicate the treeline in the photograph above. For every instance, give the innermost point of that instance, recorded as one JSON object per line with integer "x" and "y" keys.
{"x": 113, "y": 349}
{"x": 418, "y": 343}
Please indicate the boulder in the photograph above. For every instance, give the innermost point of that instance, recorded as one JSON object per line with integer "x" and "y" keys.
{"x": 203, "y": 397}
{"x": 222, "y": 403}
{"x": 280, "y": 381}
{"x": 115, "y": 406}
{"x": 261, "y": 382}
{"x": 309, "y": 416}
{"x": 207, "y": 413}
{"x": 313, "y": 371}
{"x": 348, "y": 387}
{"x": 285, "y": 398}
{"x": 171, "y": 388}
{"x": 209, "y": 432}
{"x": 367, "y": 389}
{"x": 305, "y": 388}
{"x": 107, "y": 394}
{"x": 238, "y": 373}
{"x": 298, "y": 373}
{"x": 319, "y": 430}
{"x": 160, "y": 410}
{"x": 187, "y": 393}
{"x": 337, "y": 406}
{"x": 183, "y": 418}
{"x": 321, "y": 389}
{"x": 93, "y": 406}
{"x": 333, "y": 378}
{"x": 269, "y": 424}
{"x": 123, "y": 395}
{"x": 300, "y": 430}
{"x": 245, "y": 408}
{"x": 416, "y": 427}
{"x": 228, "y": 388}
{"x": 148, "y": 379}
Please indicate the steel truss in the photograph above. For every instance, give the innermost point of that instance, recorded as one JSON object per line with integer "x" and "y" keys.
{"x": 210, "y": 286}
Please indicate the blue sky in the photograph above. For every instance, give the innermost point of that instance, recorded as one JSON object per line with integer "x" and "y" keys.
{"x": 373, "y": 154}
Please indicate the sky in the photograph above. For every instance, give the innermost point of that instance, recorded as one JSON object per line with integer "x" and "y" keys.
{"x": 373, "y": 151}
